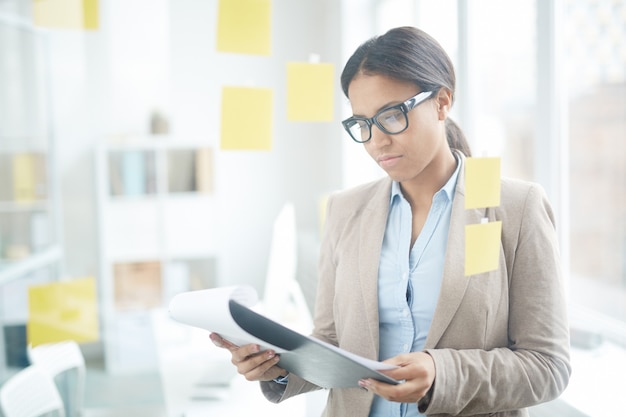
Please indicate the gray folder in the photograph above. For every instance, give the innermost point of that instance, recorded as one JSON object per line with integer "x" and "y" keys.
{"x": 305, "y": 356}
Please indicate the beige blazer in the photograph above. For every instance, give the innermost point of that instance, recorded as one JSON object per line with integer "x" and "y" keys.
{"x": 499, "y": 340}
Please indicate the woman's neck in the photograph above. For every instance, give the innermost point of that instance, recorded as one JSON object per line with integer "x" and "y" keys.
{"x": 419, "y": 191}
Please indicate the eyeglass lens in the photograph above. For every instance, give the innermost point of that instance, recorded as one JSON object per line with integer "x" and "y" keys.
{"x": 391, "y": 121}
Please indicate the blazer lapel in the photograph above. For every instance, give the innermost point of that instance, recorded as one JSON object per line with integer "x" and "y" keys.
{"x": 372, "y": 230}
{"x": 454, "y": 282}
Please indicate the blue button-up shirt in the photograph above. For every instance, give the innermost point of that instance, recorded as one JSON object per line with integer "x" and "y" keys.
{"x": 409, "y": 280}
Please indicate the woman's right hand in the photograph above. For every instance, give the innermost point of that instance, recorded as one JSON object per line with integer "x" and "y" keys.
{"x": 251, "y": 362}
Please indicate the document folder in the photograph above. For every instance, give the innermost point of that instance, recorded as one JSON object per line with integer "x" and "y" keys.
{"x": 225, "y": 311}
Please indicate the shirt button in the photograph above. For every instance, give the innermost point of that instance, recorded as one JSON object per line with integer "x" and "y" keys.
{"x": 405, "y": 348}
{"x": 405, "y": 313}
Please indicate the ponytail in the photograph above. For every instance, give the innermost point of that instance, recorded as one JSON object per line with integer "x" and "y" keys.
{"x": 456, "y": 138}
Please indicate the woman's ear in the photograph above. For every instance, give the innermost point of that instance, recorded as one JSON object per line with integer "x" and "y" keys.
{"x": 444, "y": 102}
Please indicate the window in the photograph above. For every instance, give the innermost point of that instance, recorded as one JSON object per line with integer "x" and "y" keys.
{"x": 542, "y": 84}
{"x": 595, "y": 58}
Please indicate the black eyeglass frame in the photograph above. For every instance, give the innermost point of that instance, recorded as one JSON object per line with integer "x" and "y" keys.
{"x": 404, "y": 107}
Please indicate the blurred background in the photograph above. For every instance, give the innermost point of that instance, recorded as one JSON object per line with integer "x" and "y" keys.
{"x": 149, "y": 147}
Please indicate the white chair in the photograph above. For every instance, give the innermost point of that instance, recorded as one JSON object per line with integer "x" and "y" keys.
{"x": 62, "y": 360}
{"x": 30, "y": 393}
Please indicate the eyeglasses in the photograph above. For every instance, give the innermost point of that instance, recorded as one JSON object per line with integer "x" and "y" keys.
{"x": 391, "y": 120}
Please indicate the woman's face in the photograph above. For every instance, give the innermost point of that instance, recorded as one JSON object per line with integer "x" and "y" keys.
{"x": 411, "y": 154}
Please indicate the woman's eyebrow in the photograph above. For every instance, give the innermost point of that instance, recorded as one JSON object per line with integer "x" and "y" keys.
{"x": 383, "y": 107}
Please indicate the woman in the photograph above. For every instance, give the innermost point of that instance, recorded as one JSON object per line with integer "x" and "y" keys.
{"x": 487, "y": 344}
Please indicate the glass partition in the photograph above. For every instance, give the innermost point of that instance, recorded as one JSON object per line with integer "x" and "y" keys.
{"x": 27, "y": 200}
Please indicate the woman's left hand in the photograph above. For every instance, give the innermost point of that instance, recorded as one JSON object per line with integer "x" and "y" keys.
{"x": 417, "y": 369}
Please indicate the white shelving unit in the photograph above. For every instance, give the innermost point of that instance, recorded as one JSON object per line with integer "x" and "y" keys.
{"x": 157, "y": 238}
{"x": 30, "y": 249}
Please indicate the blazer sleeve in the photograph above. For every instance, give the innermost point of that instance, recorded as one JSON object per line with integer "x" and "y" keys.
{"x": 534, "y": 367}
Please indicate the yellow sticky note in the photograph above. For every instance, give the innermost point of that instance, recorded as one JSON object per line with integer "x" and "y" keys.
{"x": 91, "y": 14}
{"x": 482, "y": 247}
{"x": 24, "y": 183}
{"x": 246, "y": 118}
{"x": 64, "y": 310}
{"x": 310, "y": 92}
{"x": 482, "y": 182}
{"x": 243, "y": 26}
{"x": 66, "y": 14}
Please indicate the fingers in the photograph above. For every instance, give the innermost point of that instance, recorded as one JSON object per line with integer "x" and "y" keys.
{"x": 416, "y": 369}
{"x": 261, "y": 367}
{"x": 380, "y": 388}
{"x": 410, "y": 391}
{"x": 250, "y": 356}
{"x": 220, "y": 342}
{"x": 412, "y": 366}
{"x": 251, "y": 362}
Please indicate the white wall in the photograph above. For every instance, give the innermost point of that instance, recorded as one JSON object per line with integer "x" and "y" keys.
{"x": 161, "y": 54}
{"x": 304, "y": 161}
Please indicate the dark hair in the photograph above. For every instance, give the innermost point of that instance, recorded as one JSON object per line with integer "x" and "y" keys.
{"x": 456, "y": 137}
{"x": 408, "y": 54}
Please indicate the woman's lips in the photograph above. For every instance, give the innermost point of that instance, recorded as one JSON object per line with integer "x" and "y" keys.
{"x": 388, "y": 161}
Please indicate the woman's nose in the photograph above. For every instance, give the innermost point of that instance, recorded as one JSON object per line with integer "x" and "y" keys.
{"x": 379, "y": 138}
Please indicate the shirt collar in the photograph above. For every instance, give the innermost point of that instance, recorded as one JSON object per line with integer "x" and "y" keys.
{"x": 448, "y": 188}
